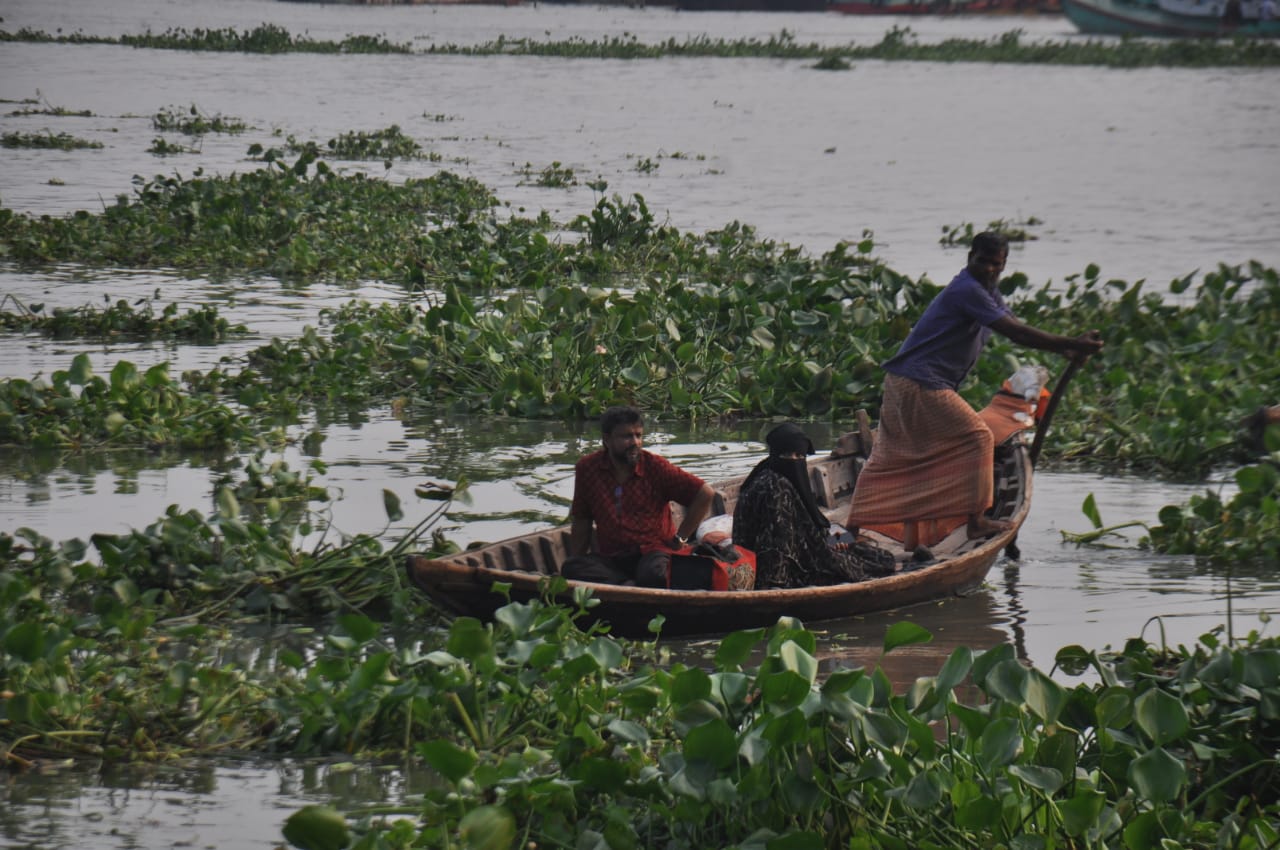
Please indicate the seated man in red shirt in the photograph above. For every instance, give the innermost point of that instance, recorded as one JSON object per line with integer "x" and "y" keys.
{"x": 625, "y": 493}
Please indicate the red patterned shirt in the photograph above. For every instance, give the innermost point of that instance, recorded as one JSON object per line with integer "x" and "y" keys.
{"x": 636, "y": 516}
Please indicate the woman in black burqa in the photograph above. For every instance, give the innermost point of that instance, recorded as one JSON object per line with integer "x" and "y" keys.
{"x": 777, "y": 518}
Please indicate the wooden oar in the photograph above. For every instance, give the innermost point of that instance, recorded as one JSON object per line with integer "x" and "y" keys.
{"x": 1042, "y": 428}
{"x": 1073, "y": 366}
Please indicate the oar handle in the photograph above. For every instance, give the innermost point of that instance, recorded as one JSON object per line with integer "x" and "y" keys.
{"x": 1043, "y": 427}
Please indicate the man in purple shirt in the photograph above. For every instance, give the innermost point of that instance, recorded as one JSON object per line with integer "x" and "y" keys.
{"x": 933, "y": 454}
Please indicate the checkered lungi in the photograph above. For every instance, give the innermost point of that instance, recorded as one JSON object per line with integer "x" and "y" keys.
{"x": 931, "y": 462}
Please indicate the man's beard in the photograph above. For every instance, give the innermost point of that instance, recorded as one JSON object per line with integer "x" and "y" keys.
{"x": 627, "y": 457}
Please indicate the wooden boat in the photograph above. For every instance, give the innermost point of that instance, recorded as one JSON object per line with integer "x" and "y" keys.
{"x": 751, "y": 5}
{"x": 889, "y": 7}
{"x": 463, "y": 583}
{"x": 941, "y": 7}
{"x": 412, "y": 2}
{"x": 1147, "y": 18}
{"x": 1250, "y": 10}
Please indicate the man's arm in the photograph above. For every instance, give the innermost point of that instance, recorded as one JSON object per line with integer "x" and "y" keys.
{"x": 696, "y": 511}
{"x": 1032, "y": 337}
{"x": 579, "y": 537}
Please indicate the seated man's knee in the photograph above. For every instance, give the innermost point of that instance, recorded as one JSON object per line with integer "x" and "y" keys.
{"x": 592, "y": 568}
{"x": 652, "y": 569}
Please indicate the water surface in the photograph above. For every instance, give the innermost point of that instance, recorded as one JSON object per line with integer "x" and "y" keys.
{"x": 1151, "y": 173}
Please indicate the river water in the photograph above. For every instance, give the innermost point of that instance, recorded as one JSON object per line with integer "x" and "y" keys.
{"x": 1150, "y": 173}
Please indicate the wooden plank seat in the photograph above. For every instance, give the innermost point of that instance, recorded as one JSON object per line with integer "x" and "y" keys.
{"x": 832, "y": 485}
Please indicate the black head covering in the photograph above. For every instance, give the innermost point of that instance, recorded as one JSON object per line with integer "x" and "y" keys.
{"x": 786, "y": 439}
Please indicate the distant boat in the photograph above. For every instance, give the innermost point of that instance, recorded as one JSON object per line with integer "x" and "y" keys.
{"x": 941, "y": 7}
{"x": 1250, "y": 10}
{"x": 1148, "y": 18}
{"x": 412, "y": 2}
{"x": 892, "y": 7}
{"x": 750, "y": 5}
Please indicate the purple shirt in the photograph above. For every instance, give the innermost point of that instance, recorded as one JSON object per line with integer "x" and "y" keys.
{"x": 946, "y": 342}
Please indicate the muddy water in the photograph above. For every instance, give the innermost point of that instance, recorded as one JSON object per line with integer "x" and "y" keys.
{"x": 1150, "y": 173}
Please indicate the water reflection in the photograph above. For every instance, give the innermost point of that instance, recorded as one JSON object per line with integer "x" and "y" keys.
{"x": 201, "y": 803}
{"x": 976, "y": 621}
{"x": 1017, "y": 616}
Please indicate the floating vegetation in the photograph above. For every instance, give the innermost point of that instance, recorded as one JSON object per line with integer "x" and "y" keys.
{"x": 898, "y": 44}
{"x": 264, "y": 38}
{"x": 554, "y": 176}
{"x": 55, "y": 111}
{"x": 47, "y": 139}
{"x": 46, "y": 108}
{"x": 27, "y": 34}
{"x": 152, "y": 602}
{"x": 1244, "y": 527}
{"x": 562, "y": 735}
{"x": 193, "y": 122}
{"x": 164, "y": 147}
{"x": 117, "y": 647}
{"x": 137, "y": 320}
{"x": 961, "y": 235}
{"x": 77, "y": 409}
{"x": 684, "y": 757}
{"x": 508, "y": 320}
{"x": 297, "y": 220}
{"x": 832, "y": 63}
{"x": 388, "y": 143}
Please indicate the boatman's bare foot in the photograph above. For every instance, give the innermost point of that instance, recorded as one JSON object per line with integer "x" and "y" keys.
{"x": 985, "y": 527}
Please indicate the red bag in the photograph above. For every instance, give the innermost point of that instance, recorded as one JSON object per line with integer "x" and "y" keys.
{"x": 713, "y": 564}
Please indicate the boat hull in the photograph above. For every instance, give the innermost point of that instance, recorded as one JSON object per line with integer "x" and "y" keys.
{"x": 1123, "y": 17}
{"x": 751, "y": 5}
{"x": 943, "y": 7}
{"x": 478, "y": 582}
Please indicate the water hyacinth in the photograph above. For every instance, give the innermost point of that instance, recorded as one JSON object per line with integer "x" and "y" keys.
{"x": 137, "y": 320}
{"x": 193, "y": 122}
{"x": 500, "y": 317}
{"x": 898, "y": 44}
{"x": 115, "y": 647}
{"x": 563, "y": 735}
{"x": 128, "y": 646}
{"x": 47, "y": 139}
